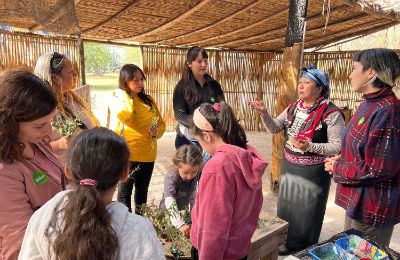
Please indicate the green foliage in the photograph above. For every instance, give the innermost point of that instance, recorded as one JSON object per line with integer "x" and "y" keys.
{"x": 65, "y": 127}
{"x": 174, "y": 241}
{"x": 97, "y": 58}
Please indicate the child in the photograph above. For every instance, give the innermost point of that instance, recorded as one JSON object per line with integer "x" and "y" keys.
{"x": 180, "y": 184}
{"x": 85, "y": 223}
{"x": 229, "y": 196}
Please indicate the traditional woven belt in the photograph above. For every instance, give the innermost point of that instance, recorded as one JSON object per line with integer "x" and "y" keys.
{"x": 304, "y": 159}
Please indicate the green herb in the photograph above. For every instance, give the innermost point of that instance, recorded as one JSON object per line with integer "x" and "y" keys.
{"x": 66, "y": 127}
{"x": 174, "y": 241}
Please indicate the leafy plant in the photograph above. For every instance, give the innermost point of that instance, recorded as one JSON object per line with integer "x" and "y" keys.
{"x": 174, "y": 241}
{"x": 66, "y": 127}
{"x": 153, "y": 125}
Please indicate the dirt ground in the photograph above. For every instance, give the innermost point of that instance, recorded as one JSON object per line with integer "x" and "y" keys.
{"x": 334, "y": 216}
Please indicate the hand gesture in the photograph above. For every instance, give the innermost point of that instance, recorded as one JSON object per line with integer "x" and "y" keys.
{"x": 153, "y": 132}
{"x": 300, "y": 143}
{"x": 258, "y": 105}
{"x": 185, "y": 229}
{"x": 329, "y": 162}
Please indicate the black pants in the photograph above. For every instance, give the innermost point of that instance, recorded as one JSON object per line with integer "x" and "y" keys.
{"x": 181, "y": 140}
{"x": 195, "y": 254}
{"x": 141, "y": 179}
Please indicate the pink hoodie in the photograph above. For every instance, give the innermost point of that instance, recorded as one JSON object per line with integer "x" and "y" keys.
{"x": 228, "y": 203}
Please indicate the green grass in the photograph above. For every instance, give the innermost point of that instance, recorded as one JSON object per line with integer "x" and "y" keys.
{"x": 104, "y": 82}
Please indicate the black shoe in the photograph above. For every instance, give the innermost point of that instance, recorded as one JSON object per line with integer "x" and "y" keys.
{"x": 284, "y": 250}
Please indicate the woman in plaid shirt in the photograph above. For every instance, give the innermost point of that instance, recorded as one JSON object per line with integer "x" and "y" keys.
{"x": 368, "y": 172}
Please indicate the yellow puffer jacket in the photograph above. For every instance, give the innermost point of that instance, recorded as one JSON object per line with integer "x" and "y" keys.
{"x": 131, "y": 118}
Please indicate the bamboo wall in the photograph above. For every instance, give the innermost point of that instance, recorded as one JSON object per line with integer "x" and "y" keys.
{"x": 242, "y": 76}
{"x": 23, "y": 50}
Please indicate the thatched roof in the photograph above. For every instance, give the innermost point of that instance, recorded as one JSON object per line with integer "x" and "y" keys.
{"x": 230, "y": 24}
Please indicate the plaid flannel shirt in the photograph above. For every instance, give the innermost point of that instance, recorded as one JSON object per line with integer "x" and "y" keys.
{"x": 368, "y": 172}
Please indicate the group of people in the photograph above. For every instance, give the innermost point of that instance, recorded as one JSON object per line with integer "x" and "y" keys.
{"x": 57, "y": 189}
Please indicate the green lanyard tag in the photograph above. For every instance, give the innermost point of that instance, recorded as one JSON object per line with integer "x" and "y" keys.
{"x": 40, "y": 178}
{"x": 361, "y": 120}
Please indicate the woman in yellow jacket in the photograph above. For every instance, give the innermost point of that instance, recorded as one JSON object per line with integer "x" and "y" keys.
{"x": 136, "y": 117}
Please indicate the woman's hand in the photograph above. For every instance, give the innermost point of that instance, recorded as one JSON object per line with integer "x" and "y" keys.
{"x": 153, "y": 132}
{"x": 61, "y": 144}
{"x": 329, "y": 162}
{"x": 185, "y": 229}
{"x": 258, "y": 105}
{"x": 299, "y": 143}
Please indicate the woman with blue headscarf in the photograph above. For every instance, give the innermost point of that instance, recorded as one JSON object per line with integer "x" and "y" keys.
{"x": 313, "y": 127}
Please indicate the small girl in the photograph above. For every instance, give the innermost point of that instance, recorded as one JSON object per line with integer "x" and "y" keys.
{"x": 229, "y": 196}
{"x": 85, "y": 223}
{"x": 180, "y": 184}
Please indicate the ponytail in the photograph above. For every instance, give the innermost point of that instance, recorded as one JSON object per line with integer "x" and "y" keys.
{"x": 80, "y": 227}
{"x": 86, "y": 232}
{"x": 229, "y": 128}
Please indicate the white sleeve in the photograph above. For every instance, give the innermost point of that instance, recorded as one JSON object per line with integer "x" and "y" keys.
{"x": 176, "y": 219}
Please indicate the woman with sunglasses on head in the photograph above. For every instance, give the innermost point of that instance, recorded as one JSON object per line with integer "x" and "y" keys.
{"x": 368, "y": 173}
{"x": 59, "y": 71}
{"x": 194, "y": 88}
{"x": 312, "y": 126}
{"x": 30, "y": 173}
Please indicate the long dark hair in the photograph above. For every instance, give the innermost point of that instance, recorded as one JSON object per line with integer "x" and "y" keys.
{"x": 188, "y": 79}
{"x": 126, "y": 74}
{"x": 224, "y": 123}
{"x": 24, "y": 97}
{"x": 385, "y": 62}
{"x": 85, "y": 230}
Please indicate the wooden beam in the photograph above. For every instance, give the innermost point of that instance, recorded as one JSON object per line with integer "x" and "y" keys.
{"x": 172, "y": 22}
{"x": 348, "y": 19}
{"x": 347, "y": 34}
{"x": 366, "y": 8}
{"x": 208, "y": 27}
{"x": 117, "y": 14}
{"x": 280, "y": 13}
{"x": 280, "y": 29}
{"x": 56, "y": 15}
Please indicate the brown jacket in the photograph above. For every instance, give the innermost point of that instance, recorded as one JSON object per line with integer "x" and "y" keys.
{"x": 20, "y": 196}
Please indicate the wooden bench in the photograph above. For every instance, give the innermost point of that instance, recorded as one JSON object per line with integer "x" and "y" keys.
{"x": 266, "y": 240}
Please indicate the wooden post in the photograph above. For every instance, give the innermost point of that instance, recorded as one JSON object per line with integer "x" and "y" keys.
{"x": 287, "y": 86}
{"x": 82, "y": 59}
{"x": 260, "y": 81}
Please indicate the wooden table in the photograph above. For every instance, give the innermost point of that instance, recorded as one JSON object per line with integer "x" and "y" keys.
{"x": 266, "y": 240}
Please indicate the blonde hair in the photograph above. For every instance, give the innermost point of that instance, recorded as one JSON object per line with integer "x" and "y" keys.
{"x": 44, "y": 71}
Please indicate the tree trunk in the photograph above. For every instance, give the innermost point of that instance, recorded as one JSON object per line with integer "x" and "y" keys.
{"x": 287, "y": 86}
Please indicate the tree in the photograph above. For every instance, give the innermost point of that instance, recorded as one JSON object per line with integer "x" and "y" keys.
{"x": 97, "y": 58}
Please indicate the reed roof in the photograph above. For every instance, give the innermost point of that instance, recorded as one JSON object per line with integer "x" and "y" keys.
{"x": 231, "y": 24}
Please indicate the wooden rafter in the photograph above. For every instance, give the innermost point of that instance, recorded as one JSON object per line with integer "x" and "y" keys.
{"x": 310, "y": 31}
{"x": 116, "y": 15}
{"x": 385, "y": 15}
{"x": 344, "y": 35}
{"x": 51, "y": 19}
{"x": 259, "y": 35}
{"x": 208, "y": 27}
{"x": 284, "y": 11}
{"x": 173, "y": 22}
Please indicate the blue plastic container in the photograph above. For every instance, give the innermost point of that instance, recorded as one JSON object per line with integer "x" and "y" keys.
{"x": 329, "y": 251}
{"x": 360, "y": 248}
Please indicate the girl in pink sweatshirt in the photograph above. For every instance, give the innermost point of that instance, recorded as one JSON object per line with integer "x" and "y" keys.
{"x": 229, "y": 197}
